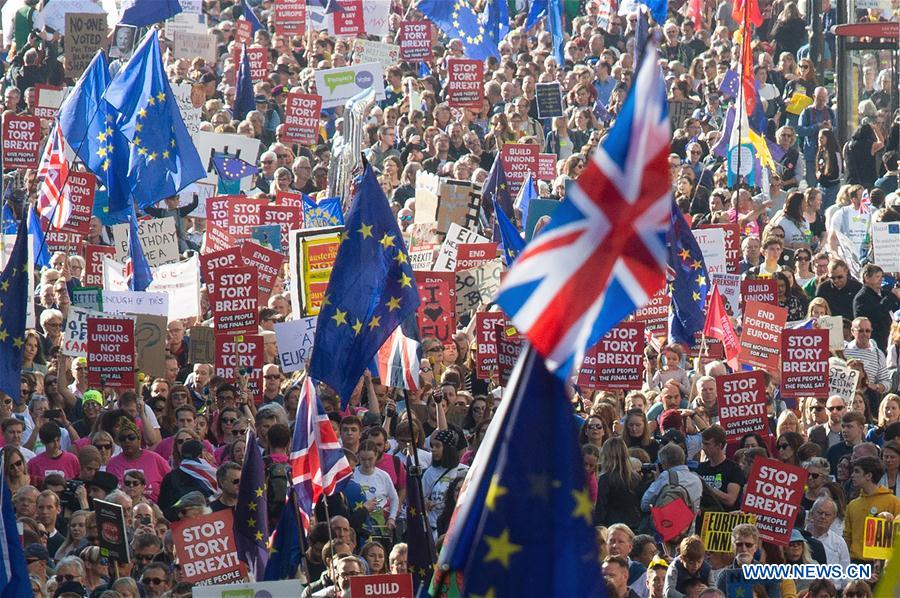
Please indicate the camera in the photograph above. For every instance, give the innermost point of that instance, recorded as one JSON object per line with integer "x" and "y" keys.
{"x": 67, "y": 498}
{"x": 648, "y": 467}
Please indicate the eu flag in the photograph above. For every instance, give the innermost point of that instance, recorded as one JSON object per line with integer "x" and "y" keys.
{"x": 250, "y": 16}
{"x": 13, "y": 306}
{"x": 325, "y": 212}
{"x": 496, "y": 189}
{"x": 285, "y": 552}
{"x": 371, "y": 291}
{"x": 14, "y": 581}
{"x": 141, "y": 277}
{"x": 251, "y": 518}
{"x": 495, "y": 539}
{"x": 555, "y": 25}
{"x": 143, "y": 13}
{"x": 729, "y": 86}
{"x": 232, "y": 168}
{"x": 244, "y": 98}
{"x": 536, "y": 12}
{"x": 38, "y": 240}
{"x": 512, "y": 242}
{"x": 419, "y": 538}
{"x": 688, "y": 283}
{"x": 162, "y": 159}
{"x": 458, "y": 20}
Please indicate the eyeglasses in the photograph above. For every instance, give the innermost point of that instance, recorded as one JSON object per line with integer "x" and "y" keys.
{"x": 272, "y": 376}
{"x": 17, "y": 463}
{"x": 836, "y": 408}
{"x": 238, "y": 432}
{"x": 153, "y": 581}
{"x": 103, "y": 447}
{"x": 229, "y": 421}
{"x": 128, "y": 438}
{"x": 67, "y": 577}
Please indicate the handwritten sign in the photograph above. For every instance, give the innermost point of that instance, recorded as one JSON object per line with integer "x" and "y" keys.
{"x": 712, "y": 245}
{"x": 85, "y": 32}
{"x": 842, "y": 381}
{"x": 75, "y": 333}
{"x": 295, "y": 342}
{"x": 477, "y": 286}
{"x": 371, "y": 51}
{"x": 437, "y": 307}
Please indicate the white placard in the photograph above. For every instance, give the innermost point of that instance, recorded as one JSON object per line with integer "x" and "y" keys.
{"x": 376, "y": 17}
{"x": 189, "y": 114}
{"x": 245, "y": 147}
{"x": 835, "y": 327}
{"x": 886, "y": 240}
{"x": 135, "y": 302}
{"x": 180, "y": 282}
{"x": 295, "y": 342}
{"x": 730, "y": 289}
{"x": 74, "y": 343}
{"x": 336, "y": 86}
{"x": 456, "y": 235}
{"x": 842, "y": 382}
{"x": 712, "y": 244}
{"x": 380, "y": 52}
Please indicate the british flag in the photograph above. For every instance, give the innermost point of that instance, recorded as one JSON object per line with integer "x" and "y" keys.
{"x": 603, "y": 255}
{"x": 53, "y": 202}
{"x": 318, "y": 464}
{"x": 398, "y": 361}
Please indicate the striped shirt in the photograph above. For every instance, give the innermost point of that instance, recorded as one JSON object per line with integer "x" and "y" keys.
{"x": 873, "y": 359}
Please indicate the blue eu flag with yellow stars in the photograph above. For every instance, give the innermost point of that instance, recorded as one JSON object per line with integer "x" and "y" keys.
{"x": 13, "y": 306}
{"x": 162, "y": 157}
{"x": 688, "y": 282}
{"x": 480, "y": 33}
{"x": 496, "y": 540}
{"x": 510, "y": 239}
{"x": 325, "y": 212}
{"x": 496, "y": 189}
{"x": 251, "y": 515}
{"x": 232, "y": 168}
{"x": 371, "y": 291}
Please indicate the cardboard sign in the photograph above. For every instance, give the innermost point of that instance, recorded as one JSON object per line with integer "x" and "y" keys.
{"x": 21, "y": 141}
{"x": 712, "y": 245}
{"x": 267, "y": 264}
{"x": 93, "y": 268}
{"x": 762, "y": 290}
{"x": 371, "y": 51}
{"x": 842, "y": 381}
{"x": 804, "y": 363}
{"x": 437, "y": 307}
{"x": 835, "y": 327}
{"x": 190, "y": 45}
{"x": 732, "y": 246}
{"x": 509, "y": 346}
{"x": 338, "y": 85}
{"x": 549, "y": 100}
{"x": 456, "y": 236}
{"x": 519, "y": 159}
{"x": 472, "y": 255}
{"x": 349, "y": 19}
{"x": 111, "y": 352}
{"x": 879, "y": 538}
{"x": 111, "y": 531}
{"x": 655, "y": 315}
{"x": 486, "y": 323}
{"x": 465, "y": 83}
{"x": 446, "y": 202}
{"x": 150, "y": 344}
{"x": 761, "y": 335}
{"x": 159, "y": 239}
{"x": 74, "y": 343}
{"x": 47, "y": 100}
{"x": 238, "y": 355}
{"x": 730, "y": 290}
{"x": 742, "y": 404}
{"x": 477, "y": 286}
{"x": 716, "y": 530}
{"x": 235, "y": 302}
{"x": 617, "y": 361}
{"x": 290, "y": 17}
{"x": 295, "y": 340}
{"x": 414, "y": 39}
{"x": 85, "y": 32}
{"x": 384, "y": 586}
{"x": 773, "y": 493}
{"x": 202, "y": 348}
{"x": 206, "y": 550}
{"x": 546, "y": 167}
{"x": 301, "y": 117}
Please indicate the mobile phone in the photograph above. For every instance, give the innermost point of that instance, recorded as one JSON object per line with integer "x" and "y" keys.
{"x": 53, "y": 413}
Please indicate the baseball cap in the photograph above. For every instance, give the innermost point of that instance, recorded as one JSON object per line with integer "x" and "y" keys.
{"x": 670, "y": 420}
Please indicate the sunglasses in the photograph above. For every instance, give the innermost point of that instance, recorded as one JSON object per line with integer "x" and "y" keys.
{"x": 103, "y": 447}
{"x": 595, "y": 426}
{"x": 238, "y": 432}
{"x": 133, "y": 483}
{"x": 16, "y": 464}
{"x": 153, "y": 581}
{"x": 66, "y": 577}
{"x": 272, "y": 377}
{"x": 128, "y": 438}
{"x": 836, "y": 408}
{"x": 229, "y": 421}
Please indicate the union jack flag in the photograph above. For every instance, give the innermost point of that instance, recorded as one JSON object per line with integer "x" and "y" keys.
{"x": 318, "y": 464}
{"x": 398, "y": 361}
{"x": 53, "y": 202}
{"x": 603, "y": 255}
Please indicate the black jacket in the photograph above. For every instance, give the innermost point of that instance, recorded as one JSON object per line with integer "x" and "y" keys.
{"x": 616, "y": 503}
{"x": 839, "y": 300}
{"x": 867, "y": 303}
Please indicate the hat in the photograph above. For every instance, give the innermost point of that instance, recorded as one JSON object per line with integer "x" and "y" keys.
{"x": 658, "y": 562}
{"x": 673, "y": 436}
{"x": 37, "y": 551}
{"x": 796, "y": 536}
{"x": 192, "y": 449}
{"x": 194, "y": 498}
{"x": 278, "y": 90}
{"x": 670, "y": 420}
{"x": 92, "y": 396}
{"x": 446, "y": 437}
{"x": 105, "y": 481}
{"x": 69, "y": 587}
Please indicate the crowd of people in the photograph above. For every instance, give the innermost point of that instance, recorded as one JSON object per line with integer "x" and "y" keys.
{"x": 808, "y": 224}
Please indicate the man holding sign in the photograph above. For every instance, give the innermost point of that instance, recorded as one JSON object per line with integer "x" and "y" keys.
{"x": 873, "y": 499}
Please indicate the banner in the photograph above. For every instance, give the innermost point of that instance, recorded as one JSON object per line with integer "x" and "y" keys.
{"x": 472, "y": 255}
{"x": 235, "y": 302}
{"x": 290, "y": 17}
{"x": 548, "y": 97}
{"x": 617, "y": 361}
{"x": 712, "y": 245}
{"x": 732, "y": 246}
{"x": 437, "y": 307}
{"x": 135, "y": 302}
{"x": 21, "y": 141}
{"x": 267, "y": 264}
{"x": 295, "y": 340}
{"x": 773, "y": 493}
{"x": 110, "y": 352}
{"x": 85, "y": 32}
{"x": 302, "y": 112}
{"x": 465, "y": 83}
{"x": 509, "y": 346}
{"x": 742, "y": 404}
{"x": 716, "y": 530}
{"x": 655, "y": 315}
{"x": 519, "y": 159}
{"x": 804, "y": 363}
{"x": 370, "y": 51}
{"x": 206, "y": 550}
{"x": 398, "y": 585}
{"x": 238, "y": 355}
{"x": 338, "y": 85}
{"x": 842, "y": 381}
{"x": 477, "y": 286}
{"x": 761, "y": 335}
{"x": 879, "y": 538}
{"x": 486, "y": 323}
{"x": 414, "y": 39}
{"x": 74, "y": 343}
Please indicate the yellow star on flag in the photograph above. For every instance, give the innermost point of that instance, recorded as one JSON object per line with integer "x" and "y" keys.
{"x": 259, "y": 536}
{"x": 696, "y": 265}
{"x": 3, "y": 335}
{"x": 500, "y": 549}
{"x": 701, "y": 280}
{"x": 252, "y": 505}
{"x": 138, "y": 127}
{"x": 583, "y": 505}
{"x": 387, "y": 241}
{"x": 405, "y": 280}
{"x": 357, "y": 326}
{"x": 101, "y": 137}
{"x": 142, "y": 113}
{"x": 365, "y": 230}
{"x": 495, "y": 491}
{"x": 18, "y": 342}
{"x": 101, "y": 152}
{"x": 4, "y": 285}
{"x": 393, "y": 303}
{"x": 374, "y": 322}
{"x": 696, "y": 296}
{"x": 151, "y": 101}
{"x": 259, "y": 492}
{"x": 400, "y": 257}
{"x": 251, "y": 522}
{"x": 165, "y": 154}
{"x": 339, "y": 317}
{"x": 684, "y": 253}
{"x": 161, "y": 96}
{"x": 137, "y": 140}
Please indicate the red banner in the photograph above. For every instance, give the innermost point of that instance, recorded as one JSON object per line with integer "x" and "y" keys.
{"x": 518, "y": 160}
{"x": 383, "y": 586}
{"x": 761, "y": 336}
{"x": 111, "y": 359}
{"x": 63, "y": 240}
{"x": 546, "y": 167}
{"x": 732, "y": 246}
{"x": 472, "y": 255}
{"x": 93, "y": 264}
{"x": 301, "y": 117}
{"x": 217, "y": 260}
{"x": 21, "y": 141}
{"x": 241, "y": 354}
{"x": 414, "y": 39}
{"x": 235, "y": 301}
{"x": 655, "y": 315}
{"x": 617, "y": 361}
{"x": 206, "y": 549}
{"x": 804, "y": 363}
{"x": 289, "y": 199}
{"x": 509, "y": 346}
{"x": 267, "y": 264}
{"x": 486, "y": 323}
{"x": 773, "y": 493}
{"x": 290, "y": 17}
{"x": 349, "y": 20}
{"x": 437, "y": 309}
{"x": 764, "y": 290}
{"x": 465, "y": 83}
{"x": 742, "y": 404}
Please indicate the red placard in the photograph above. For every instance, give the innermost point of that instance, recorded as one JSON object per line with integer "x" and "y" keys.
{"x": 287, "y": 217}
{"x": 509, "y": 347}
{"x": 80, "y": 189}
{"x": 764, "y": 290}
{"x": 655, "y": 315}
{"x": 437, "y": 307}
{"x": 235, "y": 300}
{"x": 732, "y": 246}
{"x": 486, "y": 323}
{"x": 742, "y": 404}
{"x": 546, "y": 167}
{"x": 289, "y": 199}
{"x": 472, "y": 255}
{"x": 267, "y": 264}
{"x": 804, "y": 363}
{"x": 382, "y": 586}
{"x": 465, "y": 83}
{"x": 21, "y": 141}
{"x": 217, "y": 260}
{"x": 62, "y": 240}
{"x": 93, "y": 264}
{"x": 206, "y": 549}
{"x": 349, "y": 20}
{"x": 519, "y": 159}
{"x": 259, "y": 61}
{"x": 761, "y": 336}
{"x": 773, "y": 493}
{"x": 236, "y": 215}
{"x": 243, "y": 31}
{"x": 216, "y": 238}
{"x": 414, "y": 39}
{"x": 111, "y": 359}
{"x": 290, "y": 17}
{"x": 301, "y": 117}
{"x": 617, "y": 361}
{"x": 43, "y": 111}
{"x": 241, "y": 352}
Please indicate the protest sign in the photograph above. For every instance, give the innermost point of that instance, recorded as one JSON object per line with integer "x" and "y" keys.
{"x": 879, "y": 538}
{"x": 135, "y": 302}
{"x": 186, "y": 23}
{"x": 548, "y": 97}
{"x": 732, "y": 246}
{"x": 206, "y": 550}
{"x": 348, "y": 20}
{"x": 295, "y": 342}
{"x": 243, "y": 31}
{"x": 111, "y": 531}
{"x": 476, "y": 286}
{"x": 87, "y": 297}
{"x": 414, "y": 39}
{"x": 742, "y": 404}
{"x": 486, "y": 323}
{"x": 93, "y": 267}
{"x": 519, "y": 159}
{"x": 290, "y": 17}
{"x": 886, "y": 241}
{"x": 422, "y": 258}
{"x": 376, "y": 15}
{"x": 267, "y": 264}
{"x": 150, "y": 344}
{"x": 189, "y": 45}
{"x": 289, "y": 198}
{"x": 398, "y": 585}
{"x": 110, "y": 352}
{"x": 257, "y": 56}
{"x": 21, "y": 141}
{"x": 217, "y": 260}
{"x": 74, "y": 343}
{"x": 290, "y": 587}
{"x": 268, "y": 236}
{"x": 446, "y": 201}
{"x": 124, "y": 38}
{"x": 617, "y": 361}
{"x": 202, "y": 345}
{"x": 730, "y": 289}
{"x": 842, "y": 381}
{"x": 472, "y": 255}
{"x": 465, "y": 83}
{"x": 712, "y": 245}
{"x": 370, "y": 51}
{"x": 509, "y": 346}
{"x": 456, "y": 236}
{"x": 181, "y": 283}
{"x": 240, "y": 146}
{"x": 301, "y": 117}
{"x": 763, "y": 290}
{"x": 761, "y": 335}
{"x": 241, "y": 355}
{"x": 546, "y": 167}
{"x": 47, "y": 100}
{"x": 286, "y": 218}
{"x": 437, "y": 306}
{"x": 85, "y": 32}
{"x": 62, "y": 240}
{"x": 236, "y": 214}
{"x": 80, "y": 190}
{"x": 773, "y": 493}
{"x": 835, "y": 327}
{"x": 655, "y": 315}
{"x": 190, "y": 114}
{"x": 804, "y": 363}
{"x": 234, "y": 303}
{"x": 539, "y": 210}
{"x": 319, "y": 253}
{"x": 716, "y": 530}
{"x": 114, "y": 275}
{"x": 338, "y": 85}
{"x": 159, "y": 239}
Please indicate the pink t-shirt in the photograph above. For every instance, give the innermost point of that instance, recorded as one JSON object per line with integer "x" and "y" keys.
{"x": 40, "y": 466}
{"x": 149, "y": 463}
{"x": 164, "y": 448}
{"x": 388, "y": 466}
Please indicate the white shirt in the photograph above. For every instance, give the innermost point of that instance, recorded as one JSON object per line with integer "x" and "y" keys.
{"x": 836, "y": 552}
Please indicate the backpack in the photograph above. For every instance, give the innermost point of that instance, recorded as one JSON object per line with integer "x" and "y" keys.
{"x": 670, "y": 492}
{"x": 278, "y": 480}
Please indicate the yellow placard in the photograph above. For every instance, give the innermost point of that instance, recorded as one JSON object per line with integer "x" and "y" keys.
{"x": 319, "y": 253}
{"x": 798, "y": 102}
{"x": 879, "y": 537}
{"x": 717, "y": 526}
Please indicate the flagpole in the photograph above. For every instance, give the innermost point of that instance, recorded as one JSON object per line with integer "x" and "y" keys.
{"x": 300, "y": 533}
{"x": 415, "y": 472}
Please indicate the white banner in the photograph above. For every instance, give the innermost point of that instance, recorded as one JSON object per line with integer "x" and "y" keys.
{"x": 456, "y": 235}
{"x": 135, "y": 302}
{"x": 295, "y": 342}
{"x": 336, "y": 86}
{"x": 712, "y": 244}
{"x": 181, "y": 284}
